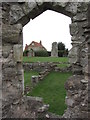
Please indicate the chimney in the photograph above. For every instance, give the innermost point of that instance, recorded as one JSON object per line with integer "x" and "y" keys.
{"x": 40, "y": 42}
{"x": 26, "y": 47}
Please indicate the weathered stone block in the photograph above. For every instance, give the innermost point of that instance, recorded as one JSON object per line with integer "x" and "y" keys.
{"x": 61, "y": 4}
{"x": 73, "y": 55}
{"x": 18, "y": 53}
{"x": 29, "y": 6}
{"x": 11, "y": 33}
{"x": 0, "y": 51}
{"x": 6, "y": 72}
{"x": 84, "y": 81}
{"x": 34, "y": 80}
{"x": 1, "y": 81}
{"x": 0, "y": 96}
{"x": 72, "y": 7}
{"x": 74, "y": 83}
{"x": 16, "y": 13}
{"x": 5, "y": 12}
{"x": 82, "y": 7}
{"x": 80, "y": 17}
{"x": 77, "y": 39}
{"x": 43, "y": 108}
{"x": 74, "y": 29}
{"x": 6, "y": 50}
{"x": 69, "y": 101}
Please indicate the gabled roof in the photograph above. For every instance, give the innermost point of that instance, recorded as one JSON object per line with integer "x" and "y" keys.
{"x": 35, "y": 44}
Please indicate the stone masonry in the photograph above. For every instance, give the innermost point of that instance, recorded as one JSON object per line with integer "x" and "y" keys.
{"x": 15, "y": 15}
{"x": 54, "y": 51}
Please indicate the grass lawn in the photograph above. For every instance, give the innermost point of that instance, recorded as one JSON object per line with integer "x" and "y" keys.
{"x": 45, "y": 59}
{"x": 27, "y": 77}
{"x": 51, "y": 89}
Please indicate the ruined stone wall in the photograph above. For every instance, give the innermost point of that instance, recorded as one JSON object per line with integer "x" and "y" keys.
{"x": 54, "y": 51}
{"x": 39, "y": 67}
{"x": 12, "y": 72}
{"x": 14, "y": 17}
{"x": 0, "y": 61}
{"x": 50, "y": 66}
{"x": 77, "y": 85}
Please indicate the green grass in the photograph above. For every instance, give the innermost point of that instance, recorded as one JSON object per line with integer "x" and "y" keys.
{"x": 27, "y": 77}
{"x": 51, "y": 89}
{"x": 62, "y": 65}
{"x": 45, "y": 59}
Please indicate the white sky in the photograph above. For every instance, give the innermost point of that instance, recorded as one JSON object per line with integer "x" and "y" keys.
{"x": 48, "y": 27}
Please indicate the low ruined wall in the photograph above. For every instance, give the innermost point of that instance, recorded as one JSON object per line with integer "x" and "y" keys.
{"x": 66, "y": 69}
{"x": 42, "y": 66}
{"x": 39, "y": 66}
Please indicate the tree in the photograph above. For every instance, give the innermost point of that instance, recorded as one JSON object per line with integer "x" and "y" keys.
{"x": 61, "y": 46}
{"x": 62, "y": 51}
{"x": 67, "y": 52}
{"x": 25, "y": 53}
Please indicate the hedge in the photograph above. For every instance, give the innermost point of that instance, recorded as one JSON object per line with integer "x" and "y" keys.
{"x": 41, "y": 53}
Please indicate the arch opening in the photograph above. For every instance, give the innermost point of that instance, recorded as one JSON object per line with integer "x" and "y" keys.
{"x": 43, "y": 29}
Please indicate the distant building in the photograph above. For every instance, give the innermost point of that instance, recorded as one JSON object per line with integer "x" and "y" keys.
{"x": 33, "y": 47}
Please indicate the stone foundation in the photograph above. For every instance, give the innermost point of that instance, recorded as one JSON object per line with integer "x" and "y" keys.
{"x": 39, "y": 67}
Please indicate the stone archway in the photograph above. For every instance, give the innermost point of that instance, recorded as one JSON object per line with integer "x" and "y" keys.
{"x": 14, "y": 17}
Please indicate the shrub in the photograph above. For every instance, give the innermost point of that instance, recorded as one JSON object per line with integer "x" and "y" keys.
{"x": 25, "y": 53}
{"x": 49, "y": 53}
{"x": 61, "y": 53}
{"x": 61, "y": 46}
{"x": 41, "y": 53}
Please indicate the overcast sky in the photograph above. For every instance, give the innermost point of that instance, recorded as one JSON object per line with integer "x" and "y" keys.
{"x": 48, "y": 27}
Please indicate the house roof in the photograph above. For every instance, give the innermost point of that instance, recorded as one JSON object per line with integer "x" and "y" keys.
{"x": 35, "y": 44}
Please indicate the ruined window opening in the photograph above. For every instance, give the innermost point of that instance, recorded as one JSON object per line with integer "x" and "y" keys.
{"x": 34, "y": 78}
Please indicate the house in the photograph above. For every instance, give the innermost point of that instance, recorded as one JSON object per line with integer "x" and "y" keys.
{"x": 33, "y": 47}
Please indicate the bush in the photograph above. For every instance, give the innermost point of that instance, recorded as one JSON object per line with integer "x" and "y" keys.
{"x": 62, "y": 53}
{"x": 49, "y": 53}
{"x": 25, "y": 53}
{"x": 41, "y": 53}
{"x": 61, "y": 46}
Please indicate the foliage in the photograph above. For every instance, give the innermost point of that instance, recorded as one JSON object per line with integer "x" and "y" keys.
{"x": 62, "y": 51}
{"x": 25, "y": 52}
{"x": 61, "y": 46}
{"x": 49, "y": 53}
{"x": 66, "y": 52}
{"x": 45, "y": 59}
{"x": 41, "y": 53}
{"x": 52, "y": 90}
